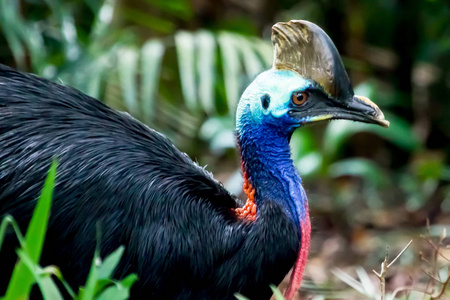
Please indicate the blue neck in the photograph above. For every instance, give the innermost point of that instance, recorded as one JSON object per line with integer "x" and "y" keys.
{"x": 266, "y": 158}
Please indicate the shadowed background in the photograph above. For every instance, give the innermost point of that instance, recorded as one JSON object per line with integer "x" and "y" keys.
{"x": 180, "y": 66}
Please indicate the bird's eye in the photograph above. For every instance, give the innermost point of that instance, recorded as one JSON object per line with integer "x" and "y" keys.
{"x": 265, "y": 101}
{"x": 299, "y": 98}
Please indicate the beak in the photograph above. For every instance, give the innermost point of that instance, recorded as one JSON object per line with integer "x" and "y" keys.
{"x": 356, "y": 108}
{"x": 361, "y": 109}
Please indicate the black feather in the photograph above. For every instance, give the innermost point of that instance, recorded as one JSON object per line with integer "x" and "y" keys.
{"x": 175, "y": 220}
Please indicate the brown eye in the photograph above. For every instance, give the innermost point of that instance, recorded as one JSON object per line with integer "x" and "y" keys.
{"x": 299, "y": 98}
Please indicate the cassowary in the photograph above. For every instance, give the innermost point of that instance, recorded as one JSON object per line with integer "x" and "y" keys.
{"x": 185, "y": 236}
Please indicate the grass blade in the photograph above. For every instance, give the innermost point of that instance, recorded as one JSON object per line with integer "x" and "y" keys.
{"x": 110, "y": 263}
{"x": 120, "y": 291}
{"x": 128, "y": 281}
{"x": 88, "y": 292}
{"x": 240, "y": 297}
{"x": 349, "y": 280}
{"x": 114, "y": 293}
{"x": 22, "y": 279}
{"x": 365, "y": 281}
{"x": 9, "y": 220}
{"x": 276, "y": 292}
{"x": 47, "y": 287}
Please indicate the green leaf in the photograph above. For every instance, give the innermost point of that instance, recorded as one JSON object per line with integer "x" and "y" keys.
{"x": 252, "y": 63}
{"x": 114, "y": 293}
{"x": 240, "y": 297}
{"x": 309, "y": 164}
{"x": 88, "y": 292}
{"x": 206, "y": 61}
{"x": 152, "y": 57}
{"x": 399, "y": 133}
{"x": 108, "y": 266}
{"x": 302, "y": 142}
{"x": 68, "y": 29}
{"x": 94, "y": 82}
{"x": 22, "y": 279}
{"x": 151, "y": 21}
{"x": 12, "y": 25}
{"x": 177, "y": 8}
{"x": 276, "y": 292}
{"x": 185, "y": 45}
{"x": 34, "y": 41}
{"x": 127, "y": 67}
{"x": 359, "y": 167}
{"x": 119, "y": 291}
{"x": 102, "y": 284}
{"x": 9, "y": 220}
{"x": 231, "y": 69}
{"x": 264, "y": 48}
{"x": 128, "y": 281}
{"x": 57, "y": 273}
{"x": 46, "y": 284}
{"x": 103, "y": 20}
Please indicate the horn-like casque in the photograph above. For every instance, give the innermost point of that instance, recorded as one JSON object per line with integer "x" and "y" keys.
{"x": 305, "y": 48}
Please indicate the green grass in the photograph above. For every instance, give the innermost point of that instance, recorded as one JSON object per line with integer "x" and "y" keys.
{"x": 28, "y": 272}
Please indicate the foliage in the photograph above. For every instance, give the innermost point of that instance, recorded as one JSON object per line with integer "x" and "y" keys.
{"x": 110, "y": 60}
{"x": 28, "y": 272}
{"x": 22, "y": 277}
{"x": 181, "y": 65}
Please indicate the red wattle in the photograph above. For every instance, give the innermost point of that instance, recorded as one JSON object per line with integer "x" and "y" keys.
{"x": 297, "y": 273}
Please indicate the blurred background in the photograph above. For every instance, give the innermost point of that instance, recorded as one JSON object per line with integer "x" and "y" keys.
{"x": 180, "y": 67}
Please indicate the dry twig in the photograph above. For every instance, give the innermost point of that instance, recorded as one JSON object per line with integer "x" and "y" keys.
{"x": 384, "y": 268}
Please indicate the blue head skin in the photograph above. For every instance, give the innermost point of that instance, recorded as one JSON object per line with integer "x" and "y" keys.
{"x": 266, "y": 118}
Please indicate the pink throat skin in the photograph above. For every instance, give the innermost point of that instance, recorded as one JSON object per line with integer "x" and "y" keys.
{"x": 299, "y": 267}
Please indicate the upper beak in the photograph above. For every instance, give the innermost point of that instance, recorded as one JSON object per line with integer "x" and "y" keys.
{"x": 360, "y": 108}
{"x": 354, "y": 108}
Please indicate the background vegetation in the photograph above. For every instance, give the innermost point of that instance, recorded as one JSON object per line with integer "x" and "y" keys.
{"x": 181, "y": 65}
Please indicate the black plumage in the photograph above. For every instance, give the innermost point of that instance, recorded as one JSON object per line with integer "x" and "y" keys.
{"x": 176, "y": 221}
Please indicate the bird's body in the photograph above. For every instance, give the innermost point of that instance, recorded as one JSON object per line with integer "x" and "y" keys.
{"x": 185, "y": 236}
{"x": 143, "y": 192}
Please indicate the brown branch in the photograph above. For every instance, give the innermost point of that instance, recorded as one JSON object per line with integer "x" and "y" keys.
{"x": 410, "y": 288}
{"x": 444, "y": 287}
{"x": 432, "y": 277}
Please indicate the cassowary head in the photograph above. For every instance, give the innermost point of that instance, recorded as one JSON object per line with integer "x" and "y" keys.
{"x": 307, "y": 83}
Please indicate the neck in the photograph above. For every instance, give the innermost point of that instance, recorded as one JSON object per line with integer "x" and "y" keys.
{"x": 270, "y": 175}
{"x": 269, "y": 171}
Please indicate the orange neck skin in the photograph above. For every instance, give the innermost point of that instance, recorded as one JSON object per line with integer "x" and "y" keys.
{"x": 248, "y": 211}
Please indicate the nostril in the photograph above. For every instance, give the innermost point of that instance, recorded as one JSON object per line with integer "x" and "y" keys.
{"x": 265, "y": 101}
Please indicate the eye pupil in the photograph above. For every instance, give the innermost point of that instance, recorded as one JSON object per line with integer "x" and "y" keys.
{"x": 299, "y": 98}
